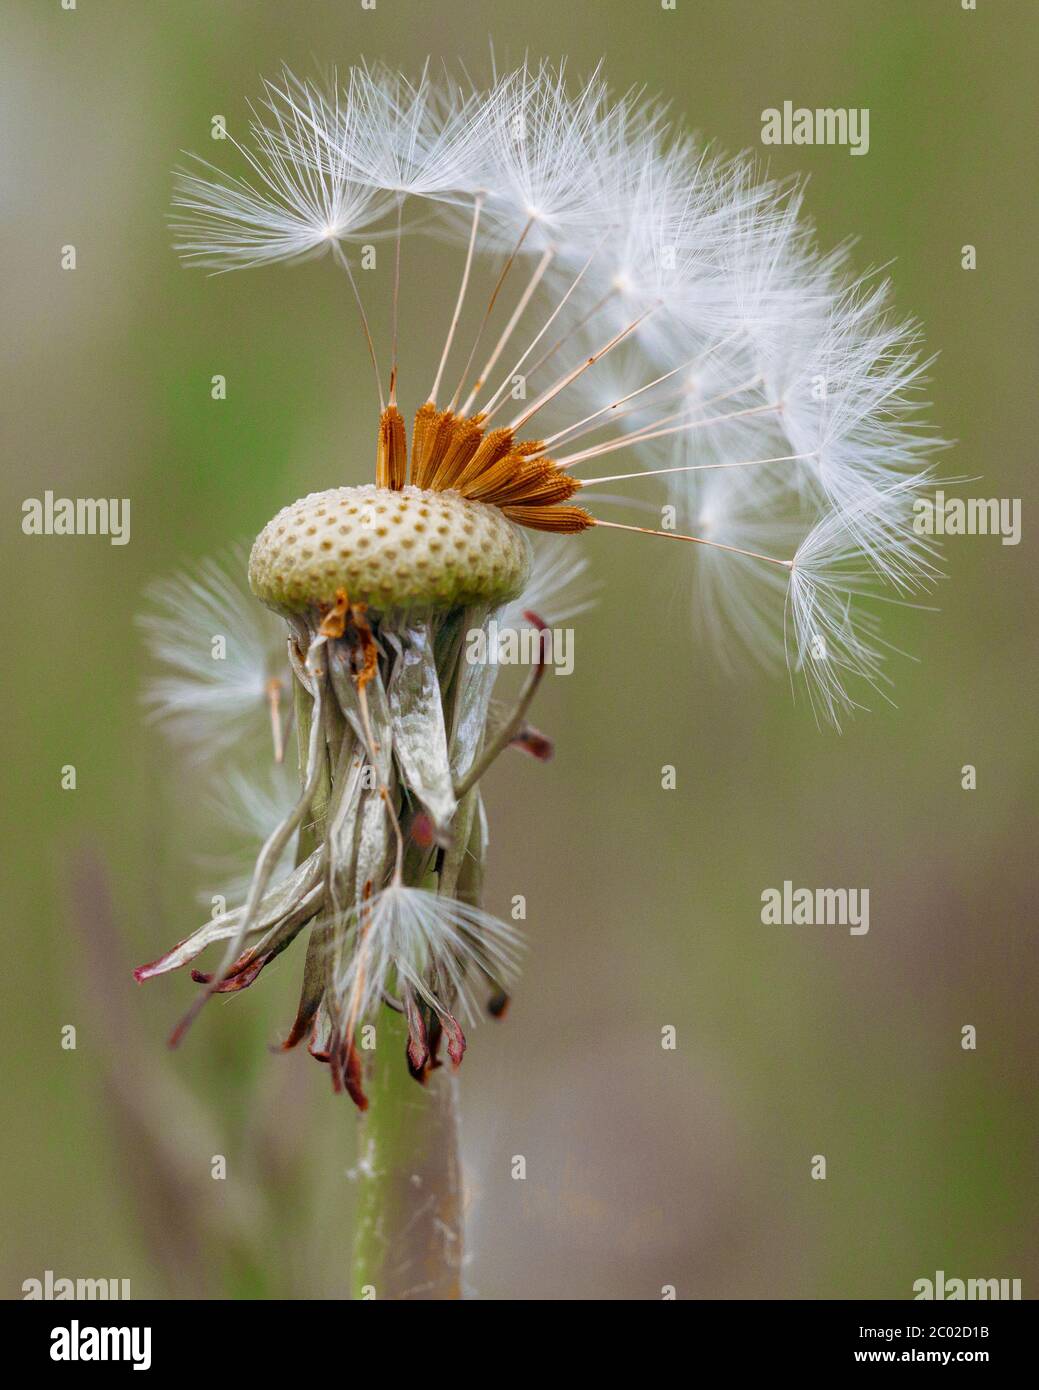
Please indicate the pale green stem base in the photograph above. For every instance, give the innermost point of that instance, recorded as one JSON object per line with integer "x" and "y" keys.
{"x": 409, "y": 1222}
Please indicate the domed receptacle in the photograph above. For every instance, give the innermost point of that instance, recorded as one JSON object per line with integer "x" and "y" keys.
{"x": 389, "y": 549}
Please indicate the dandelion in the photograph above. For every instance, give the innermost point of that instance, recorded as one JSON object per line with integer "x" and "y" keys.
{"x": 629, "y": 308}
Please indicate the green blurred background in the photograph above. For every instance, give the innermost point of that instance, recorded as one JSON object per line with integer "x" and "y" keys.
{"x": 645, "y": 1168}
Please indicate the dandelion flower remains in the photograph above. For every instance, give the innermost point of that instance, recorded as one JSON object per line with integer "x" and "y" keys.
{"x": 620, "y": 290}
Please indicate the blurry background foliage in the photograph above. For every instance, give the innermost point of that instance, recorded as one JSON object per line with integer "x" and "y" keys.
{"x": 644, "y": 1167}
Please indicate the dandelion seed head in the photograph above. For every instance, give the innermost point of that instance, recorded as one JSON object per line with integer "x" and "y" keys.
{"x": 634, "y": 314}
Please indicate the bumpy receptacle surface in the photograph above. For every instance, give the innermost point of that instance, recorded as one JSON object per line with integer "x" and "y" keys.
{"x": 388, "y": 549}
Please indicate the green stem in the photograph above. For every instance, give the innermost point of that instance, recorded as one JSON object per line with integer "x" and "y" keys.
{"x": 409, "y": 1223}
{"x": 409, "y": 1240}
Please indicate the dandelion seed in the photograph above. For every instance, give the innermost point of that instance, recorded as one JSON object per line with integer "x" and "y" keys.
{"x": 297, "y": 196}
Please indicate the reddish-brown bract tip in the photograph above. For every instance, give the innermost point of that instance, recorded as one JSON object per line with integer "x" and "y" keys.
{"x": 498, "y": 1004}
{"x": 533, "y": 741}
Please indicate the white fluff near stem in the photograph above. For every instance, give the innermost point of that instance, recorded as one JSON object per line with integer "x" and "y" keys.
{"x": 410, "y": 937}
{"x": 213, "y": 698}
